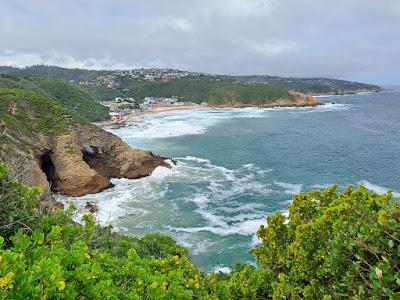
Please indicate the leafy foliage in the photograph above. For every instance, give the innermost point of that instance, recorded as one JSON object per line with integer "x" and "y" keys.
{"x": 302, "y": 85}
{"x": 334, "y": 246}
{"x": 203, "y": 89}
{"x": 50, "y": 72}
{"x": 67, "y": 94}
{"x": 22, "y": 110}
{"x": 51, "y": 257}
{"x": 309, "y": 85}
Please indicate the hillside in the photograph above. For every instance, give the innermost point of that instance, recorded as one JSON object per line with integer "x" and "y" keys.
{"x": 51, "y": 72}
{"x": 203, "y": 89}
{"x": 331, "y": 246}
{"x": 106, "y": 84}
{"x": 313, "y": 86}
{"x": 61, "y": 152}
{"x": 68, "y": 95}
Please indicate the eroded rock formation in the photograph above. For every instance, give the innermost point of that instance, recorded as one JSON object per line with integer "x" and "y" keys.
{"x": 83, "y": 160}
{"x": 299, "y": 100}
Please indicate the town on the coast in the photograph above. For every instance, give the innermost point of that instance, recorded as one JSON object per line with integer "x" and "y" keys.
{"x": 122, "y": 107}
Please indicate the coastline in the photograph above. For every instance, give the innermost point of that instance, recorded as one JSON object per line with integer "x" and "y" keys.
{"x": 138, "y": 116}
{"x": 307, "y": 101}
{"x": 299, "y": 100}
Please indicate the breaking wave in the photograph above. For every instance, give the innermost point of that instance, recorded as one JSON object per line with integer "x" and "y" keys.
{"x": 198, "y": 121}
{"x": 378, "y": 189}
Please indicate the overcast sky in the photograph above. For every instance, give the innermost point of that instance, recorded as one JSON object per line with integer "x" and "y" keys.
{"x": 349, "y": 39}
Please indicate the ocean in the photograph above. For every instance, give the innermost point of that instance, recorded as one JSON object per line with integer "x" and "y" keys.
{"x": 237, "y": 166}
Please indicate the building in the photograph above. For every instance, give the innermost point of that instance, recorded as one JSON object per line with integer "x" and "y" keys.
{"x": 115, "y": 116}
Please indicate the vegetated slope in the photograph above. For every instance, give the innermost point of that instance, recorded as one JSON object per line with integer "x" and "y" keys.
{"x": 60, "y": 151}
{"x": 68, "y": 95}
{"x": 26, "y": 112}
{"x": 203, "y": 89}
{"x": 331, "y": 246}
{"x": 104, "y": 93}
{"x": 51, "y": 72}
{"x": 314, "y": 86}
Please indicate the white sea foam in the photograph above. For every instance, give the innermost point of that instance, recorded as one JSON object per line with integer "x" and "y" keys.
{"x": 161, "y": 172}
{"x": 140, "y": 198}
{"x": 243, "y": 208}
{"x": 378, "y": 189}
{"x": 327, "y": 107}
{"x": 192, "y": 122}
{"x": 220, "y": 196}
{"x": 185, "y": 122}
{"x": 290, "y": 188}
{"x": 248, "y": 227}
{"x": 196, "y": 244}
{"x": 325, "y": 96}
{"x": 318, "y": 186}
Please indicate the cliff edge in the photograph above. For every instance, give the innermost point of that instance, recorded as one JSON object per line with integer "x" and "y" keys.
{"x": 294, "y": 99}
{"x": 46, "y": 146}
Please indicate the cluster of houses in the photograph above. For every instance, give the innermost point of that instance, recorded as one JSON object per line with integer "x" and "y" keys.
{"x": 156, "y": 74}
{"x": 120, "y": 107}
{"x": 112, "y": 79}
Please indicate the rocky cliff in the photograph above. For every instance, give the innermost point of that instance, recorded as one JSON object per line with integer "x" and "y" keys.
{"x": 296, "y": 100}
{"x": 46, "y": 146}
{"x": 84, "y": 159}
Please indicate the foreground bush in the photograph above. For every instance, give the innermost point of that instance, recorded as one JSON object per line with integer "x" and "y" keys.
{"x": 333, "y": 246}
{"x": 337, "y": 245}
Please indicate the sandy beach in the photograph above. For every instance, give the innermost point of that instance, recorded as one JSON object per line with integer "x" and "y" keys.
{"x": 137, "y": 116}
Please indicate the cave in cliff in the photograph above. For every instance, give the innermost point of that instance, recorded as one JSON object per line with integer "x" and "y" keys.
{"x": 96, "y": 160}
{"x": 47, "y": 166}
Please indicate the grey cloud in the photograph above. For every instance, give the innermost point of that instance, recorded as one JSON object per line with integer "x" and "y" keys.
{"x": 350, "y": 39}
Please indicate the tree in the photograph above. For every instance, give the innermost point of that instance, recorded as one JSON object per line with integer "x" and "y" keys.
{"x": 338, "y": 245}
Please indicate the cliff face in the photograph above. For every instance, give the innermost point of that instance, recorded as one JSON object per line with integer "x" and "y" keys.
{"x": 298, "y": 100}
{"x": 46, "y": 146}
{"x": 83, "y": 160}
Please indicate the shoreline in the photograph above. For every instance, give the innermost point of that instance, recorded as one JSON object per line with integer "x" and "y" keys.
{"x": 138, "y": 116}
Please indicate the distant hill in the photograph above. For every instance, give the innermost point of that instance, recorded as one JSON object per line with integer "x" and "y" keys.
{"x": 79, "y": 94}
{"x": 123, "y": 79}
{"x": 203, "y": 89}
{"x": 313, "y": 86}
{"x": 51, "y": 72}
{"x": 67, "y": 94}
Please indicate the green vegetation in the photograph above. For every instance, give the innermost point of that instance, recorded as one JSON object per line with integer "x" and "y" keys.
{"x": 302, "y": 85}
{"x": 192, "y": 89}
{"x": 44, "y": 255}
{"x": 309, "y": 85}
{"x": 335, "y": 245}
{"x": 103, "y": 93}
{"x": 22, "y": 112}
{"x": 203, "y": 89}
{"x": 67, "y": 94}
{"x": 51, "y": 72}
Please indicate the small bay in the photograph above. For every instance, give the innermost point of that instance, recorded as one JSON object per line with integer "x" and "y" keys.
{"x": 236, "y": 166}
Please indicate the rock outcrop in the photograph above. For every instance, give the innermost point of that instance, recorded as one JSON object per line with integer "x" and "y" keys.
{"x": 46, "y": 145}
{"x": 299, "y": 100}
{"x": 82, "y": 160}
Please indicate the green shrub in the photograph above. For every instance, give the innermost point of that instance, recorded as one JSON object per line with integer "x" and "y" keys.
{"x": 332, "y": 246}
{"x": 68, "y": 95}
{"x": 341, "y": 245}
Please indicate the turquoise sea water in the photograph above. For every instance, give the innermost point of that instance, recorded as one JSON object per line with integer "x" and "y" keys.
{"x": 236, "y": 166}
